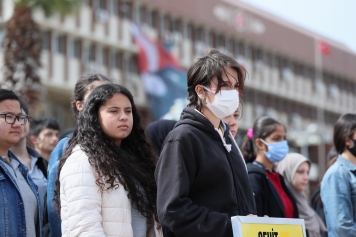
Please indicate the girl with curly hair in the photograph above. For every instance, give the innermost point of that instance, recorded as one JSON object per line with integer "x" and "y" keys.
{"x": 106, "y": 176}
{"x": 84, "y": 86}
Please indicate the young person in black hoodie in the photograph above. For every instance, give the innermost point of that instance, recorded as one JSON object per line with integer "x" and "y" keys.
{"x": 201, "y": 176}
{"x": 263, "y": 146}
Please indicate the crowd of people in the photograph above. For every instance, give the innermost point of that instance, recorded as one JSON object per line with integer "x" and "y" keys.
{"x": 111, "y": 177}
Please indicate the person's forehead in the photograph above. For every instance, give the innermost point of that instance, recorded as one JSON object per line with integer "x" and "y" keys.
{"x": 12, "y": 106}
{"x": 117, "y": 100}
{"x": 278, "y": 131}
{"x": 230, "y": 75}
{"x": 50, "y": 130}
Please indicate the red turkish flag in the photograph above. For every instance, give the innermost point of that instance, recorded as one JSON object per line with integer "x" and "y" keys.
{"x": 324, "y": 48}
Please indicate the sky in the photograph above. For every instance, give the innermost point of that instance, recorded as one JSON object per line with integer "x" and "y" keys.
{"x": 333, "y": 19}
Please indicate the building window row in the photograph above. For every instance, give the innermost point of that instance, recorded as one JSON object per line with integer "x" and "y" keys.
{"x": 267, "y": 104}
{"x": 89, "y": 52}
{"x": 174, "y": 28}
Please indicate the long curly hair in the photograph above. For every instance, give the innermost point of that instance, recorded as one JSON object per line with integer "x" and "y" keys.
{"x": 131, "y": 163}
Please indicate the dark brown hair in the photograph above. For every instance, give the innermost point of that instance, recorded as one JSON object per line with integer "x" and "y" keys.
{"x": 344, "y": 128}
{"x": 81, "y": 88}
{"x": 201, "y": 72}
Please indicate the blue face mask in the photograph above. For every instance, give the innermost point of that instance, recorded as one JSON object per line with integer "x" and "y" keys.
{"x": 277, "y": 151}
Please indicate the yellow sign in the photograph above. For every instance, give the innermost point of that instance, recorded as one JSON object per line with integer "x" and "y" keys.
{"x": 247, "y": 226}
{"x": 272, "y": 230}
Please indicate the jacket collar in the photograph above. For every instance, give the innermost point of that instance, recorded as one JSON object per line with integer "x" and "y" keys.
{"x": 41, "y": 162}
{"x": 348, "y": 165}
{"x": 33, "y": 152}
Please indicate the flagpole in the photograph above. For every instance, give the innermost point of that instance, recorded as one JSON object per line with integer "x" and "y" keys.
{"x": 320, "y": 107}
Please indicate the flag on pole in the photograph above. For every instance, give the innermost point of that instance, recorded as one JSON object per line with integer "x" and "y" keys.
{"x": 324, "y": 48}
{"x": 164, "y": 80}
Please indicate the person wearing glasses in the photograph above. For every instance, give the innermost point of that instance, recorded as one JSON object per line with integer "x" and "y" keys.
{"x": 36, "y": 164}
{"x": 20, "y": 208}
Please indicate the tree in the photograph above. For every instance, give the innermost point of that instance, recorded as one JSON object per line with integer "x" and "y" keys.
{"x": 22, "y": 46}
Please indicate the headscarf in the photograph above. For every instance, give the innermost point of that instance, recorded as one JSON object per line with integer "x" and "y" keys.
{"x": 287, "y": 168}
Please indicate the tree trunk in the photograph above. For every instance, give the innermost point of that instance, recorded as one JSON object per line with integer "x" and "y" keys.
{"x": 22, "y": 51}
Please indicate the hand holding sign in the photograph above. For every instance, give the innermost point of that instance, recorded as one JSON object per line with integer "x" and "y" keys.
{"x": 249, "y": 226}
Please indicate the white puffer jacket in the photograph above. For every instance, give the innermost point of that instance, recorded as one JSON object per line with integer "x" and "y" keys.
{"x": 85, "y": 211}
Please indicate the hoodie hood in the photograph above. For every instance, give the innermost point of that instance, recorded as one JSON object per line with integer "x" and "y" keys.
{"x": 196, "y": 119}
{"x": 255, "y": 169}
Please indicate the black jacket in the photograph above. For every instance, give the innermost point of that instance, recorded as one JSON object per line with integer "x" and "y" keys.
{"x": 41, "y": 163}
{"x": 157, "y": 132}
{"x": 200, "y": 185}
{"x": 267, "y": 199}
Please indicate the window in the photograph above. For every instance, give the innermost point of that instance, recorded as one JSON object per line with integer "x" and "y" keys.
{"x": 279, "y": 66}
{"x": 268, "y": 59}
{"x": 45, "y": 39}
{"x": 126, "y": 9}
{"x": 137, "y": 14}
{"x": 154, "y": 19}
{"x": 287, "y": 72}
{"x": 168, "y": 23}
{"x": 349, "y": 87}
{"x": 2, "y": 35}
{"x": 112, "y": 60}
{"x": 75, "y": 48}
{"x": 248, "y": 95}
{"x": 212, "y": 40}
{"x": 231, "y": 46}
{"x": 133, "y": 67}
{"x": 177, "y": 26}
{"x": 59, "y": 44}
{"x": 252, "y": 53}
{"x": 220, "y": 41}
{"x": 118, "y": 60}
{"x": 142, "y": 14}
{"x": 105, "y": 55}
{"x": 102, "y": 4}
{"x": 199, "y": 34}
{"x": 92, "y": 53}
{"x": 241, "y": 49}
{"x": 114, "y": 7}
{"x": 207, "y": 38}
{"x": 188, "y": 31}
{"x": 259, "y": 54}
{"x": 162, "y": 24}
{"x": 297, "y": 68}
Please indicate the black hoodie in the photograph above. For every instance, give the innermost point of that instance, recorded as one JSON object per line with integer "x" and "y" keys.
{"x": 200, "y": 184}
{"x": 268, "y": 201}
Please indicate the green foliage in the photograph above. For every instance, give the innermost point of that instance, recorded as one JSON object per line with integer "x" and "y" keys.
{"x": 51, "y": 7}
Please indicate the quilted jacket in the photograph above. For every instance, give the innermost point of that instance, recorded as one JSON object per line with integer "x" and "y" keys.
{"x": 85, "y": 210}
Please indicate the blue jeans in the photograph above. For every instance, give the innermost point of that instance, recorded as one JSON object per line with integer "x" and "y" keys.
{"x": 53, "y": 215}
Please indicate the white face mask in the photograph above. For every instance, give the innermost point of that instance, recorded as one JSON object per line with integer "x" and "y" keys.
{"x": 225, "y": 103}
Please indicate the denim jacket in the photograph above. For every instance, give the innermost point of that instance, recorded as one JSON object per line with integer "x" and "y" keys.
{"x": 54, "y": 220}
{"x": 12, "y": 210}
{"x": 338, "y": 194}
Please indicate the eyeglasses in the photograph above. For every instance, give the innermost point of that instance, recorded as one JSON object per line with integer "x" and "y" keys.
{"x": 11, "y": 118}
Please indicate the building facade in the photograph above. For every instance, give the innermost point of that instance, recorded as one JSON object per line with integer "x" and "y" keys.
{"x": 289, "y": 78}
